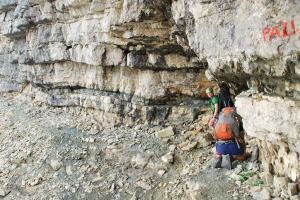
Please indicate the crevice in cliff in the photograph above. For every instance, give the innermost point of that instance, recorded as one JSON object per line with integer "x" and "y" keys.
{"x": 171, "y": 99}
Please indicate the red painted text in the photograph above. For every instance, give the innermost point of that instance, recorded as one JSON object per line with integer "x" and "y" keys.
{"x": 283, "y": 30}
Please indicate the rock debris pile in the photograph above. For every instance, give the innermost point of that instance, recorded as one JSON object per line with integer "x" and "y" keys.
{"x": 48, "y": 152}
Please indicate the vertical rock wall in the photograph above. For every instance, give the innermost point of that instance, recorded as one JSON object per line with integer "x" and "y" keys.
{"x": 255, "y": 46}
{"x": 118, "y": 58}
{"x": 274, "y": 121}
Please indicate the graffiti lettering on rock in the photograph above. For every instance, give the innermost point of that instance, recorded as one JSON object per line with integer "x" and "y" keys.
{"x": 283, "y": 30}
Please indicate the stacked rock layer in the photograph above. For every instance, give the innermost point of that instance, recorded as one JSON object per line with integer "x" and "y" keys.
{"x": 118, "y": 58}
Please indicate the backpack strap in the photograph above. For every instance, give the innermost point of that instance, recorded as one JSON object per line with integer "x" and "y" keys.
{"x": 219, "y": 103}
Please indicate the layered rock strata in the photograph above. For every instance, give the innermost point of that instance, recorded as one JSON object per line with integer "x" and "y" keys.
{"x": 145, "y": 60}
{"x": 118, "y": 57}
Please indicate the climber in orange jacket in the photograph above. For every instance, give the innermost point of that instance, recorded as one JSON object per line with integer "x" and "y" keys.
{"x": 229, "y": 134}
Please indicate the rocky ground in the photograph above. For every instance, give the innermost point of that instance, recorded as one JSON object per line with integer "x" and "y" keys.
{"x": 55, "y": 153}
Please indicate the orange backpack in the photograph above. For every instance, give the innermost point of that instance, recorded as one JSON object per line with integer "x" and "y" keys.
{"x": 227, "y": 127}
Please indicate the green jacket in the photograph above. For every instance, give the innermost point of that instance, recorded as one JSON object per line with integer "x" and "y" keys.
{"x": 213, "y": 101}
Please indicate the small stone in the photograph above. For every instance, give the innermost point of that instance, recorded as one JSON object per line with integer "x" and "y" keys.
{"x": 35, "y": 181}
{"x": 276, "y": 192}
{"x": 143, "y": 185}
{"x": 204, "y": 140}
{"x": 110, "y": 141}
{"x": 134, "y": 197}
{"x": 73, "y": 190}
{"x": 183, "y": 144}
{"x": 254, "y": 154}
{"x": 93, "y": 132}
{"x": 193, "y": 133}
{"x": 161, "y": 172}
{"x": 295, "y": 197}
{"x": 140, "y": 161}
{"x": 97, "y": 178}
{"x": 67, "y": 187}
{"x": 262, "y": 195}
{"x": 234, "y": 176}
{"x": 120, "y": 183}
{"x": 197, "y": 128}
{"x": 238, "y": 183}
{"x": 172, "y": 148}
{"x": 284, "y": 194}
{"x": 293, "y": 175}
{"x": 80, "y": 177}
{"x": 69, "y": 170}
{"x": 23, "y": 183}
{"x": 168, "y": 158}
{"x": 167, "y": 132}
{"x": 185, "y": 170}
{"x": 138, "y": 127}
{"x": 3, "y": 192}
{"x": 251, "y": 165}
{"x": 255, "y": 189}
{"x": 165, "y": 140}
{"x": 280, "y": 182}
{"x": 134, "y": 135}
{"x": 238, "y": 169}
{"x": 292, "y": 189}
{"x": 55, "y": 164}
{"x": 112, "y": 187}
{"x": 190, "y": 146}
{"x": 235, "y": 194}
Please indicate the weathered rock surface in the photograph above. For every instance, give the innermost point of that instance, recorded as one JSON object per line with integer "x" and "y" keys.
{"x": 253, "y": 45}
{"x": 274, "y": 121}
{"x": 116, "y": 57}
{"x": 244, "y": 42}
{"x": 128, "y": 62}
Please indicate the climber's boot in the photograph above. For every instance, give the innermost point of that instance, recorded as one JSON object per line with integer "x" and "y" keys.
{"x": 216, "y": 162}
{"x": 226, "y": 162}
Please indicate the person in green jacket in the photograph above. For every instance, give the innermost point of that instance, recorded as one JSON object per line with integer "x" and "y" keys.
{"x": 214, "y": 100}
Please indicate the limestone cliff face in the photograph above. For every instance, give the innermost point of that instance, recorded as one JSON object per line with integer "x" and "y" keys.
{"x": 146, "y": 60}
{"x": 255, "y": 46}
{"x": 116, "y": 57}
{"x": 245, "y": 42}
